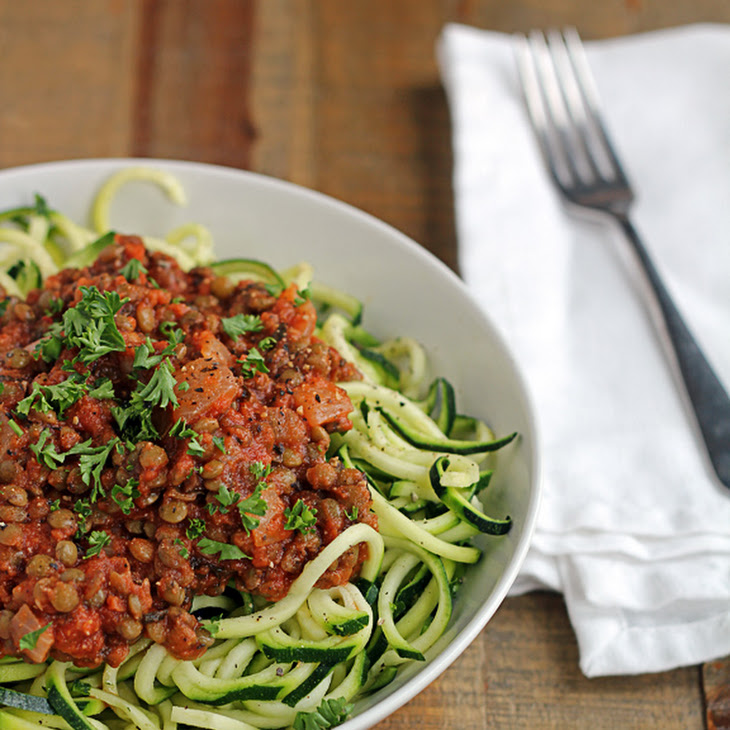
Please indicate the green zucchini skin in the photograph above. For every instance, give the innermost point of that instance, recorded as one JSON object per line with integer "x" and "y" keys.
{"x": 253, "y": 267}
{"x": 447, "y": 445}
{"x": 60, "y": 699}
{"x": 23, "y": 701}
{"x": 456, "y": 501}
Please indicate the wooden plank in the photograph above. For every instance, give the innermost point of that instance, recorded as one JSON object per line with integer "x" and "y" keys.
{"x": 522, "y": 672}
{"x": 193, "y": 84}
{"x": 716, "y": 686}
{"x": 350, "y": 105}
{"x": 66, "y": 79}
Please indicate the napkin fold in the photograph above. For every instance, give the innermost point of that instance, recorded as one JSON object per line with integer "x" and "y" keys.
{"x": 634, "y": 528}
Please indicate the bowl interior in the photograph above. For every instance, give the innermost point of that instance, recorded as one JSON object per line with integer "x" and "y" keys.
{"x": 405, "y": 291}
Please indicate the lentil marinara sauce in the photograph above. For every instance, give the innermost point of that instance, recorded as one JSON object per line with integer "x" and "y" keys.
{"x": 187, "y": 453}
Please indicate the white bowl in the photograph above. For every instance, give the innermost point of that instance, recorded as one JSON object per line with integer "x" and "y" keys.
{"x": 406, "y": 291}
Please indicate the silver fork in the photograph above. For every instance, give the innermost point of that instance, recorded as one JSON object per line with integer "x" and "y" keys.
{"x": 563, "y": 104}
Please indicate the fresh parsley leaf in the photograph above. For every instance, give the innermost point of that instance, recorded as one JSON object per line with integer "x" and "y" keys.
{"x": 259, "y": 469}
{"x": 266, "y": 343}
{"x": 302, "y": 296}
{"x": 82, "y": 508}
{"x": 300, "y": 517}
{"x": 183, "y": 551}
{"x": 252, "y": 505}
{"x": 103, "y": 389}
{"x": 50, "y": 347}
{"x": 125, "y": 495}
{"x": 135, "y": 418}
{"x": 254, "y": 363}
{"x": 195, "y": 529}
{"x": 159, "y": 390}
{"x": 55, "y": 505}
{"x": 90, "y": 325}
{"x": 226, "y": 551}
{"x": 144, "y": 357}
{"x": 54, "y": 307}
{"x": 329, "y": 714}
{"x": 98, "y": 540}
{"x": 239, "y": 324}
{"x": 181, "y": 430}
{"x": 53, "y": 398}
{"x": 172, "y": 333}
{"x": 132, "y": 269}
{"x": 220, "y": 443}
{"x": 92, "y": 460}
{"x": 29, "y": 640}
{"x": 352, "y": 516}
{"x": 226, "y": 498}
{"x": 44, "y": 451}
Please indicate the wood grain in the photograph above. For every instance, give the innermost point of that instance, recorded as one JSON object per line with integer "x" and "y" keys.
{"x": 343, "y": 97}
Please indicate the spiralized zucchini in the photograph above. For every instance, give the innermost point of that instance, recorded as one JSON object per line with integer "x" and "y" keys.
{"x": 301, "y": 661}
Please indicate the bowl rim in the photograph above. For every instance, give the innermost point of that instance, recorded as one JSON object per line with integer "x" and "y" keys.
{"x": 437, "y": 664}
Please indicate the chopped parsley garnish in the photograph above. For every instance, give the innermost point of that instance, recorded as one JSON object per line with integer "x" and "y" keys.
{"x": 183, "y": 551}
{"x": 54, "y": 307}
{"x": 195, "y": 529}
{"x": 226, "y": 551}
{"x": 98, "y": 540}
{"x": 82, "y": 508}
{"x": 50, "y": 347}
{"x": 352, "y": 516}
{"x": 181, "y": 430}
{"x": 226, "y": 498}
{"x": 132, "y": 269}
{"x": 58, "y": 398}
{"x": 45, "y": 453}
{"x": 52, "y": 398}
{"x": 103, "y": 389}
{"x": 302, "y": 296}
{"x": 300, "y": 517}
{"x": 171, "y": 332}
{"x": 329, "y": 714}
{"x": 252, "y": 505}
{"x": 30, "y": 640}
{"x": 17, "y": 429}
{"x": 239, "y": 324}
{"x": 90, "y": 325}
{"x": 125, "y": 495}
{"x": 220, "y": 443}
{"x": 266, "y": 343}
{"x": 92, "y": 459}
{"x": 145, "y": 357}
{"x": 135, "y": 419}
{"x": 254, "y": 363}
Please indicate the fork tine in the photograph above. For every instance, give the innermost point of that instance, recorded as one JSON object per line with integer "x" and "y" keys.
{"x": 590, "y": 159}
{"x": 542, "y": 123}
{"x": 561, "y": 139}
{"x": 588, "y": 91}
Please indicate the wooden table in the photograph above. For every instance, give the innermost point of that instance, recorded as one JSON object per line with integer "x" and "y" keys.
{"x": 342, "y": 96}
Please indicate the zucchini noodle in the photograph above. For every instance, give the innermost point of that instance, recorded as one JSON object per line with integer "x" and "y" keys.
{"x": 308, "y": 656}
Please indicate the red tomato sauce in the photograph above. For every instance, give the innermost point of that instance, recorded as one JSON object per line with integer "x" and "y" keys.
{"x": 99, "y": 548}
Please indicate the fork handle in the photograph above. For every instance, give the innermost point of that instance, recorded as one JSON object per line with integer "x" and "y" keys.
{"x": 707, "y": 396}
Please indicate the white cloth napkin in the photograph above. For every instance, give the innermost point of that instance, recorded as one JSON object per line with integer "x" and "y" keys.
{"x": 634, "y": 529}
